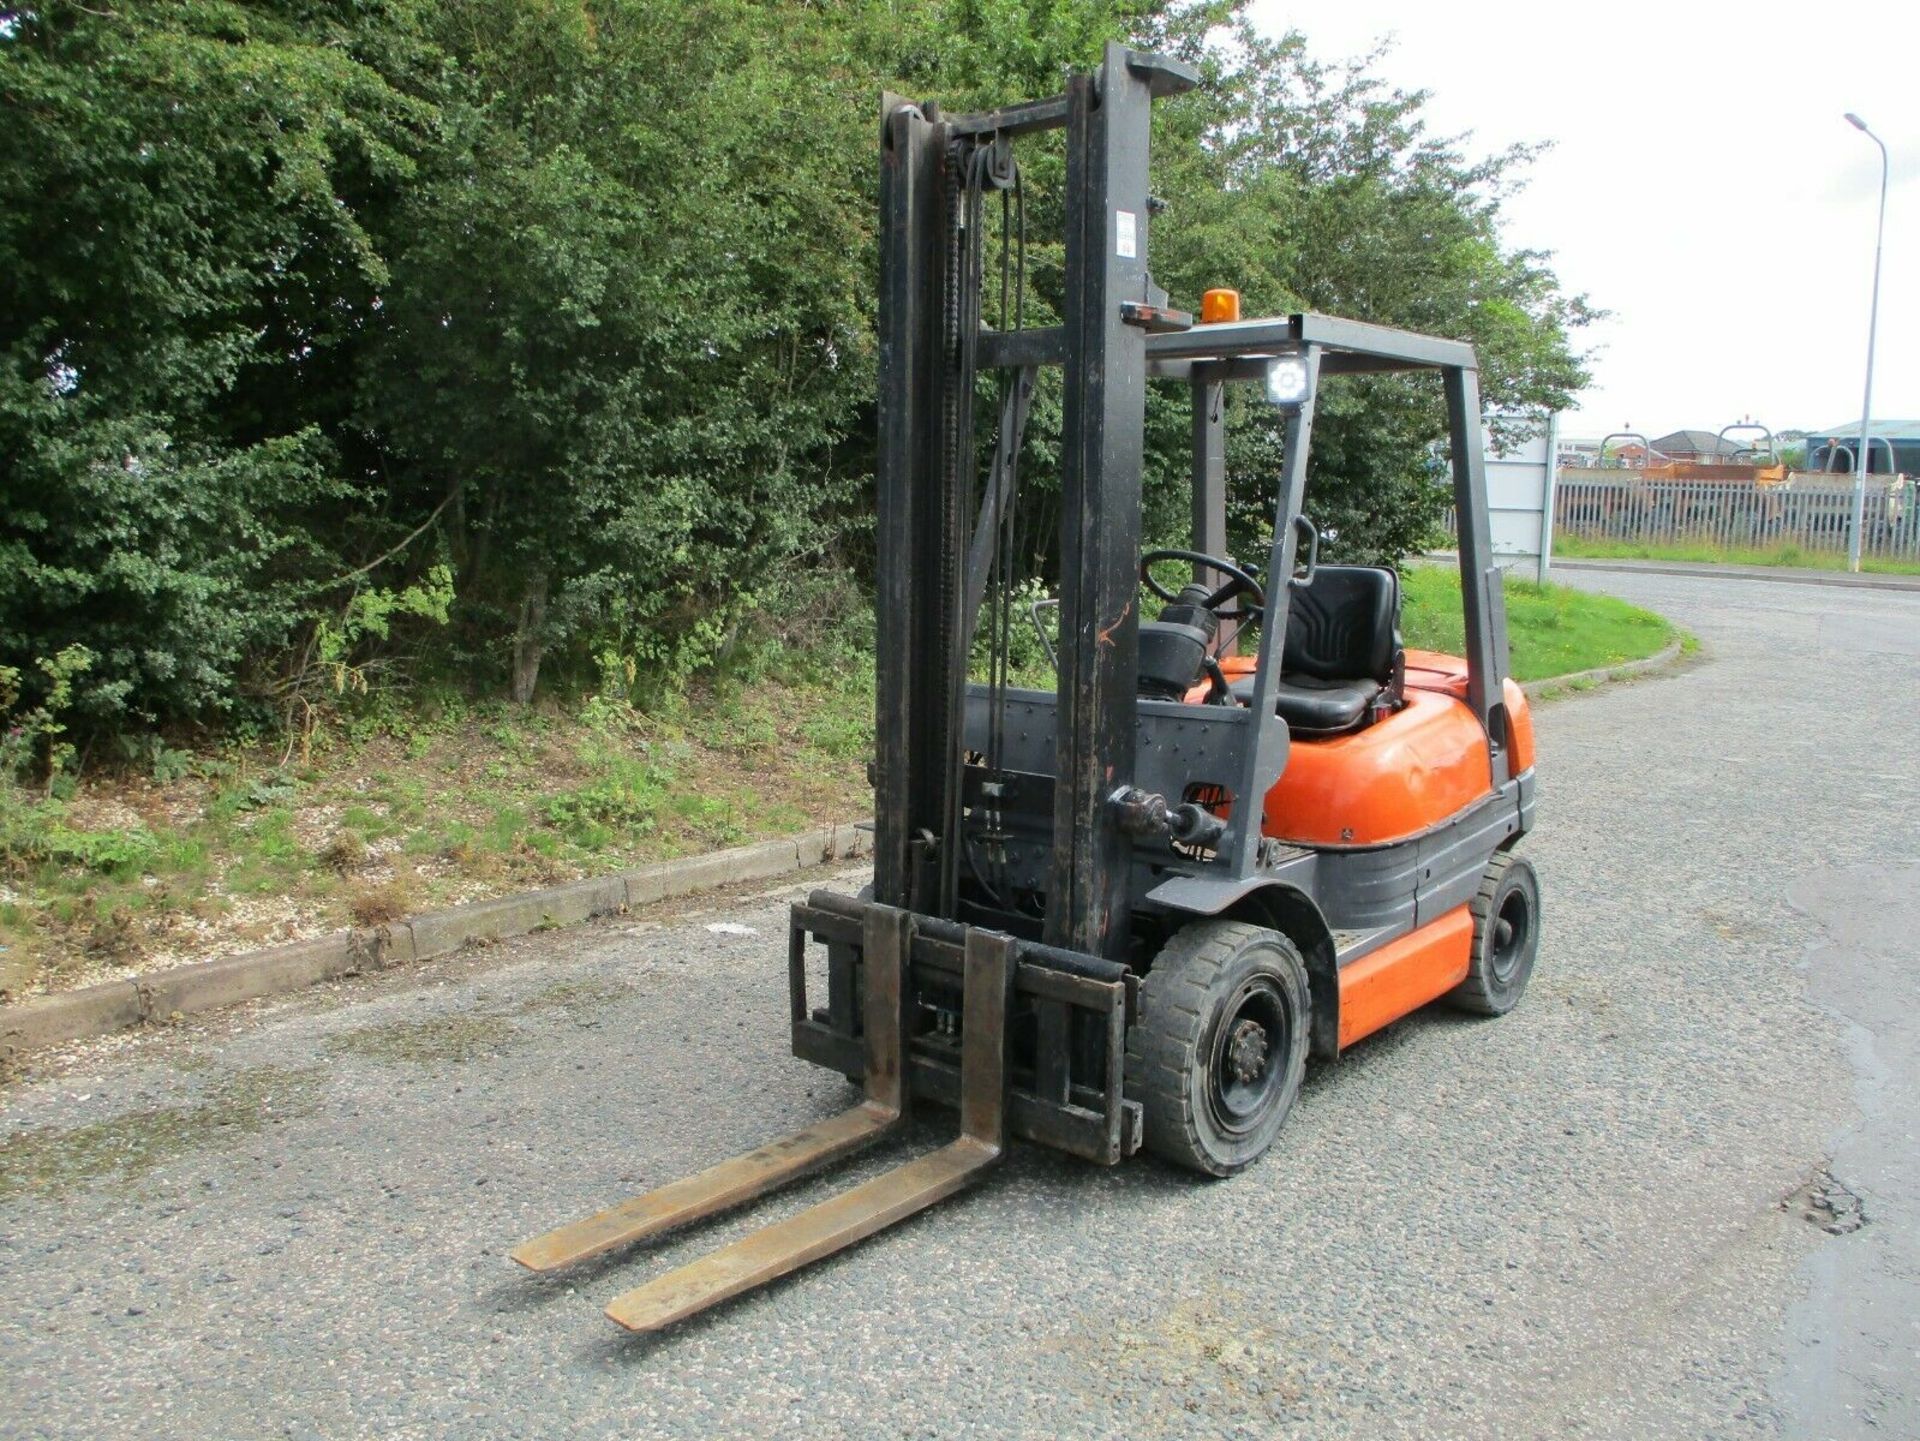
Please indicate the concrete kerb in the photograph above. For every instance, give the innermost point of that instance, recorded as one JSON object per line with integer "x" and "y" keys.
{"x": 185, "y": 990}
{"x": 1601, "y": 674}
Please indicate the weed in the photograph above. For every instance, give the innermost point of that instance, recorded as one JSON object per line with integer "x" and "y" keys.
{"x": 248, "y": 877}
{"x": 574, "y": 997}
{"x": 507, "y": 736}
{"x": 162, "y": 761}
{"x": 504, "y": 828}
{"x": 457, "y": 843}
{"x": 844, "y": 732}
{"x": 564, "y": 794}
{"x": 32, "y": 735}
{"x": 714, "y": 819}
{"x": 344, "y": 853}
{"x": 245, "y": 795}
{"x": 627, "y": 795}
{"x": 270, "y": 791}
{"x": 421, "y": 842}
{"x": 112, "y": 936}
{"x": 381, "y": 904}
{"x": 540, "y": 843}
{"x": 371, "y": 824}
{"x": 180, "y": 855}
{"x": 273, "y": 837}
{"x": 122, "y": 855}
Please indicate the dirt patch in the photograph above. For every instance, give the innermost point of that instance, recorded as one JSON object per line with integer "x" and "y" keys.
{"x": 484, "y": 1030}
{"x": 456, "y": 1037}
{"x": 1734, "y": 926}
{"x": 1830, "y": 1204}
{"x": 574, "y": 998}
{"x": 1198, "y": 1347}
{"x": 55, "y": 1161}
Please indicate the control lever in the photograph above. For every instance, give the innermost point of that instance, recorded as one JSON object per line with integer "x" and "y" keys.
{"x": 1142, "y": 814}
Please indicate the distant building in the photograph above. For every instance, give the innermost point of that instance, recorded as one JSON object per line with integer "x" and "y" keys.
{"x": 1893, "y": 447}
{"x": 1632, "y": 455}
{"x": 1698, "y": 446}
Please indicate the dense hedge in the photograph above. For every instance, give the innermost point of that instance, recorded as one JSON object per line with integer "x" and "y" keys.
{"x": 342, "y": 340}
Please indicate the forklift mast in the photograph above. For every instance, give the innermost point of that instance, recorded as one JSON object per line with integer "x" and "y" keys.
{"x": 930, "y": 348}
{"x": 1105, "y": 748}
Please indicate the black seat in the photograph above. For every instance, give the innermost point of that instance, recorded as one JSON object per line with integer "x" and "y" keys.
{"x": 1343, "y": 658}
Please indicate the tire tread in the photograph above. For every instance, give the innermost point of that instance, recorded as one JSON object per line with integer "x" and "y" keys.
{"x": 1476, "y": 993}
{"x": 1162, "y": 1044}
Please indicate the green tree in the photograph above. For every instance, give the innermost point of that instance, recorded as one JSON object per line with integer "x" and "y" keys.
{"x": 183, "y": 259}
{"x": 632, "y": 317}
{"x": 302, "y": 300}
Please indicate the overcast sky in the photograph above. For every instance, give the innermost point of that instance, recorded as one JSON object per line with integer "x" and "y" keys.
{"x": 1703, "y": 186}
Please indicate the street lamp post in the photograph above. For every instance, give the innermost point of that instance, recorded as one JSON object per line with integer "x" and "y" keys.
{"x": 1873, "y": 325}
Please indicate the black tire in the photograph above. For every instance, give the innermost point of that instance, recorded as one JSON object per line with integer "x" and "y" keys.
{"x": 1216, "y": 1056}
{"x": 1506, "y": 938}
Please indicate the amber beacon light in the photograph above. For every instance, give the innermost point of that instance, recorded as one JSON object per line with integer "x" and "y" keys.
{"x": 1219, "y": 305}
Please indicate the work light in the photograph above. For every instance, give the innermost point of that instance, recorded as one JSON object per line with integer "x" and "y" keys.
{"x": 1287, "y": 380}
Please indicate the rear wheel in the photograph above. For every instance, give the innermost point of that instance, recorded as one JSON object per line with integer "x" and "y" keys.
{"x": 1506, "y": 938}
{"x": 1217, "y": 1055}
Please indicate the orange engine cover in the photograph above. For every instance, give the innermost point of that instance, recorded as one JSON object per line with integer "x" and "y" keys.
{"x": 1434, "y": 670}
{"x": 1447, "y": 674}
{"x": 1399, "y": 776}
{"x": 1392, "y": 780}
{"x": 1521, "y": 723}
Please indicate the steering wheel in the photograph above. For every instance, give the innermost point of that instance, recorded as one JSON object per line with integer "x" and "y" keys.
{"x": 1239, "y": 582}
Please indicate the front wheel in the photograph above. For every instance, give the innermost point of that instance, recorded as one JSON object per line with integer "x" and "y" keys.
{"x": 1220, "y": 1047}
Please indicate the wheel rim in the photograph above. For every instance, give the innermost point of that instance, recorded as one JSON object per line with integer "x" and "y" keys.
{"x": 1248, "y": 1056}
{"x": 1512, "y": 933}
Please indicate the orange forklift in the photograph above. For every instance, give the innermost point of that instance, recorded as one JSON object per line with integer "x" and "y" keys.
{"x": 1121, "y": 913}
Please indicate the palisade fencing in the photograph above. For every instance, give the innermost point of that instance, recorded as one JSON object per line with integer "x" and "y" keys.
{"x": 1808, "y": 510}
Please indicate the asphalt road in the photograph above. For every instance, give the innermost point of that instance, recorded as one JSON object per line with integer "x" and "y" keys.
{"x": 1590, "y": 1218}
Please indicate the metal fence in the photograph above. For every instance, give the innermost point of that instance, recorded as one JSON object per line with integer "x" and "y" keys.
{"x": 1809, "y": 511}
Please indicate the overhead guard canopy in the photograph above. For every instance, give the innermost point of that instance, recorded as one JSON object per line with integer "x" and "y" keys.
{"x": 1346, "y": 347}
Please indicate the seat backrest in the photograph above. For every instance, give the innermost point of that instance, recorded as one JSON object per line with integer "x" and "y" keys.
{"x": 1344, "y": 624}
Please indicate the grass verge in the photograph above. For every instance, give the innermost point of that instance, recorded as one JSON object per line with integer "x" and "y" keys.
{"x": 240, "y": 848}
{"x": 1577, "y": 547}
{"x": 1551, "y": 629}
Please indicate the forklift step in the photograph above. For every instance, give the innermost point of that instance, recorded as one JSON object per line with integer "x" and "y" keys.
{"x": 853, "y": 1215}
{"x": 716, "y": 1189}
